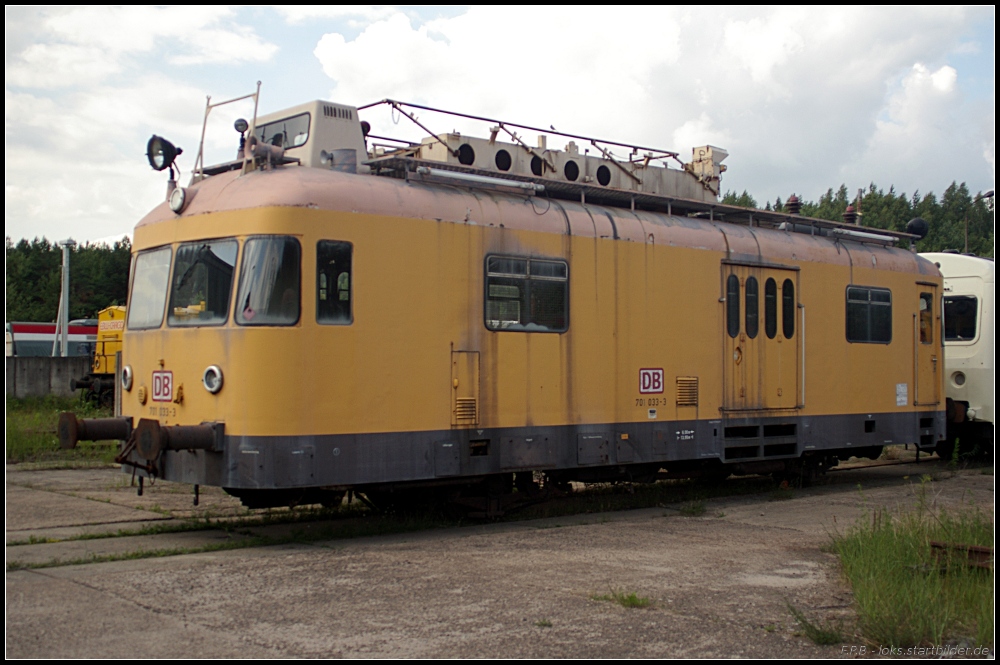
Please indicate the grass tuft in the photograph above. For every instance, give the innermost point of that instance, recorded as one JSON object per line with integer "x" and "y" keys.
{"x": 693, "y": 509}
{"x": 31, "y": 432}
{"x": 543, "y": 623}
{"x": 629, "y": 599}
{"x": 906, "y": 595}
{"x": 824, "y": 634}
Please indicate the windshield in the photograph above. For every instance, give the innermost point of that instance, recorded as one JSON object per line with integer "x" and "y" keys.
{"x": 287, "y": 133}
{"x": 203, "y": 281}
{"x": 149, "y": 289}
{"x": 269, "y": 282}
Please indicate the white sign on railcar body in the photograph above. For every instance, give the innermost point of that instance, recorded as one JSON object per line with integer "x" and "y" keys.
{"x": 901, "y": 394}
{"x": 163, "y": 386}
{"x": 651, "y": 380}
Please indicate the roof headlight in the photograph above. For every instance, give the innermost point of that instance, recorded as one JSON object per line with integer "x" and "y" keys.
{"x": 161, "y": 153}
{"x": 127, "y": 377}
{"x": 212, "y": 379}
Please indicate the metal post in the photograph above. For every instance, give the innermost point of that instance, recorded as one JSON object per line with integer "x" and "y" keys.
{"x": 63, "y": 325}
{"x": 55, "y": 337}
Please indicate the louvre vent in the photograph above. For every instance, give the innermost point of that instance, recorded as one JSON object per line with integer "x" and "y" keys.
{"x": 465, "y": 410}
{"x": 687, "y": 391}
{"x": 337, "y": 112}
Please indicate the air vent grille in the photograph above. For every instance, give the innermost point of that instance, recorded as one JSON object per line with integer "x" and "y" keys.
{"x": 337, "y": 112}
{"x": 466, "y": 410}
{"x": 687, "y": 391}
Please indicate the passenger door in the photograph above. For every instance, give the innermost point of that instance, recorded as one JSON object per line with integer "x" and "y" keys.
{"x": 780, "y": 357}
{"x": 761, "y": 357}
{"x": 741, "y": 361}
{"x": 927, "y": 349}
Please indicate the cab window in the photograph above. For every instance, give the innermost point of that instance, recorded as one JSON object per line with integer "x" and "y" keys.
{"x": 149, "y": 289}
{"x": 203, "y": 283}
{"x": 269, "y": 288}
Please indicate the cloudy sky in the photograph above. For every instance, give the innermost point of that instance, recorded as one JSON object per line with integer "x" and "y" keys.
{"x": 803, "y": 99}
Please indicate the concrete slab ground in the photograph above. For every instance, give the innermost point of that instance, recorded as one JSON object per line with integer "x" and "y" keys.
{"x": 719, "y": 582}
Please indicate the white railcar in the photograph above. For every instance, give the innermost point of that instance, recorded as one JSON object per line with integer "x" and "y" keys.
{"x": 969, "y": 343}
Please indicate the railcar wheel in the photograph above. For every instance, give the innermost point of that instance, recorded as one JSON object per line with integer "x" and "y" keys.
{"x": 409, "y": 501}
{"x": 715, "y": 473}
{"x": 267, "y": 498}
{"x": 331, "y": 498}
{"x": 946, "y": 449}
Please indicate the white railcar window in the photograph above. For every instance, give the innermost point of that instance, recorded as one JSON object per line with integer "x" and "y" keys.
{"x": 527, "y": 295}
{"x": 149, "y": 289}
{"x": 960, "y": 318}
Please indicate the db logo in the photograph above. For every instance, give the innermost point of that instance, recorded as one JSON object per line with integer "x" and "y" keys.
{"x": 163, "y": 386}
{"x": 651, "y": 380}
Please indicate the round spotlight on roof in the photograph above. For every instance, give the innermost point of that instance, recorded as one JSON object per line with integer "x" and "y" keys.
{"x": 241, "y": 125}
{"x": 161, "y": 153}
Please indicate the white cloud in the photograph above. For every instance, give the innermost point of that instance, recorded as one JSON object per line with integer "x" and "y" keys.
{"x": 57, "y": 65}
{"x": 87, "y": 44}
{"x": 298, "y": 14}
{"x": 79, "y": 163}
{"x": 563, "y": 65}
{"x": 803, "y": 99}
{"x": 795, "y": 95}
{"x": 760, "y": 45}
{"x": 925, "y": 126}
{"x": 698, "y": 132}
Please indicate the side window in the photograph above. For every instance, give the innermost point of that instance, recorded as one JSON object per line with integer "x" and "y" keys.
{"x": 753, "y": 309}
{"x": 869, "y": 315}
{"x": 926, "y": 318}
{"x": 333, "y": 282}
{"x": 733, "y": 305}
{"x": 788, "y": 309}
{"x": 771, "y": 308}
{"x": 960, "y": 314}
{"x": 268, "y": 294}
{"x": 529, "y": 295}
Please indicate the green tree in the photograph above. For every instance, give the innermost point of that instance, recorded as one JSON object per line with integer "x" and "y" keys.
{"x": 743, "y": 200}
{"x": 98, "y": 278}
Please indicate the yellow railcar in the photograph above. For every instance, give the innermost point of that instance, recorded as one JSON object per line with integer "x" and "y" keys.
{"x": 99, "y": 384}
{"x": 300, "y": 329}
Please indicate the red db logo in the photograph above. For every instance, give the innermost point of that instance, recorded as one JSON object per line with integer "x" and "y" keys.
{"x": 163, "y": 386}
{"x": 651, "y": 380}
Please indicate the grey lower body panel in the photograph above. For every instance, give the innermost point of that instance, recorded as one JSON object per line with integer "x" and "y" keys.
{"x": 348, "y": 460}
